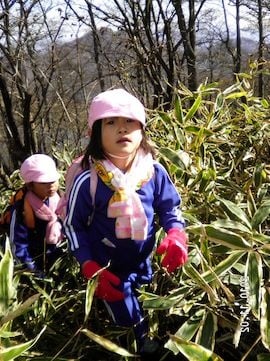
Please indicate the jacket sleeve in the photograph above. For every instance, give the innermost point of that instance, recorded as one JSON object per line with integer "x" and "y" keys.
{"x": 78, "y": 218}
{"x": 167, "y": 200}
{"x": 19, "y": 238}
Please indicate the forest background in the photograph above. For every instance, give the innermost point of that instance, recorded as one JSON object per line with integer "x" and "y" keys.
{"x": 205, "y": 82}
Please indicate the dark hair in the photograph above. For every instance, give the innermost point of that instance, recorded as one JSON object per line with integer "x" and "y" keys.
{"x": 95, "y": 150}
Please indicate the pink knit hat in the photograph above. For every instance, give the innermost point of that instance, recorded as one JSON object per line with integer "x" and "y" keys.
{"x": 39, "y": 168}
{"x": 115, "y": 103}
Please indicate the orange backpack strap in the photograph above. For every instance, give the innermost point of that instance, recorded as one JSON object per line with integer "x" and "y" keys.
{"x": 5, "y": 217}
{"x": 19, "y": 194}
{"x": 26, "y": 211}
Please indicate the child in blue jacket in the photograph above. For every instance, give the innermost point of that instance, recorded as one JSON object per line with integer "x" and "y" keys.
{"x": 35, "y": 228}
{"x": 114, "y": 236}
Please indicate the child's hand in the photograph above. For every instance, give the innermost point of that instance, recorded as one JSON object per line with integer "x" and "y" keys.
{"x": 106, "y": 282}
{"x": 174, "y": 247}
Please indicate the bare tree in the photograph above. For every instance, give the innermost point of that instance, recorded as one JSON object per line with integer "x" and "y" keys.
{"x": 36, "y": 97}
{"x": 261, "y": 46}
{"x": 156, "y": 44}
{"x": 188, "y": 32}
{"x": 258, "y": 11}
{"x": 157, "y": 40}
{"x": 148, "y": 47}
{"x": 233, "y": 46}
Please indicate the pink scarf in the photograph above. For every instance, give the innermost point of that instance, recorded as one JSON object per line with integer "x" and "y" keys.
{"x": 125, "y": 204}
{"x": 47, "y": 213}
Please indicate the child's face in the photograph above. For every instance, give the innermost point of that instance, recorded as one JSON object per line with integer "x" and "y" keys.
{"x": 121, "y": 136}
{"x": 44, "y": 190}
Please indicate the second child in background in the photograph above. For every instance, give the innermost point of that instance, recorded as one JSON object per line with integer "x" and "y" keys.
{"x": 114, "y": 235}
{"x": 35, "y": 228}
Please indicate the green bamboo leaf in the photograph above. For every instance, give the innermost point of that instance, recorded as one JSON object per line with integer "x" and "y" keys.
{"x": 6, "y": 333}
{"x": 90, "y": 291}
{"x": 20, "y": 309}
{"x": 259, "y": 175}
{"x": 254, "y": 278}
{"x": 245, "y": 76}
{"x": 236, "y": 95}
{"x": 226, "y": 238}
{"x": 199, "y": 280}
{"x": 7, "y": 289}
{"x": 192, "y": 351}
{"x": 196, "y": 180}
{"x": 261, "y": 214}
{"x": 218, "y": 282}
{"x": 198, "y": 130}
{"x": 265, "y": 103}
{"x": 218, "y": 105}
{"x": 265, "y": 317}
{"x": 107, "y": 344}
{"x": 223, "y": 266}
{"x": 187, "y": 330}
{"x": 263, "y": 357}
{"x": 152, "y": 301}
{"x": 10, "y": 353}
{"x": 234, "y": 212}
{"x": 231, "y": 89}
{"x": 160, "y": 303}
{"x": 179, "y": 136}
{"x": 165, "y": 119}
{"x": 178, "y": 110}
{"x": 232, "y": 225}
{"x": 205, "y": 179}
{"x": 185, "y": 158}
{"x": 207, "y": 331}
{"x": 194, "y": 108}
{"x": 173, "y": 157}
{"x": 190, "y": 327}
{"x": 251, "y": 204}
{"x": 207, "y": 176}
{"x": 164, "y": 302}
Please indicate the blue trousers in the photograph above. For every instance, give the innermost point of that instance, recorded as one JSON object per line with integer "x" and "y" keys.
{"x": 128, "y": 312}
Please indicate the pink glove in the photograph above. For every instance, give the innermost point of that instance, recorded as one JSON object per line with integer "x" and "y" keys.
{"x": 174, "y": 247}
{"x": 106, "y": 282}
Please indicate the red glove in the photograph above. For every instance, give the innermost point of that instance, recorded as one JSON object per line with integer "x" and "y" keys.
{"x": 174, "y": 247}
{"x": 106, "y": 282}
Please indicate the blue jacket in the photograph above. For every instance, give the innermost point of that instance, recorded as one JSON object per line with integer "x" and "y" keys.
{"x": 29, "y": 245}
{"x": 91, "y": 233}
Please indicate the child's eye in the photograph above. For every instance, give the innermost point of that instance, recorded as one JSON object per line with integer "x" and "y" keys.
{"x": 110, "y": 121}
{"x": 130, "y": 120}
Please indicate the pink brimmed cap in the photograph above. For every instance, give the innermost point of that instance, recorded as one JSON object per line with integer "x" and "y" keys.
{"x": 39, "y": 168}
{"x": 115, "y": 103}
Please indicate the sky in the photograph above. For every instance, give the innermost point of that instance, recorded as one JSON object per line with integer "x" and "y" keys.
{"x": 73, "y": 28}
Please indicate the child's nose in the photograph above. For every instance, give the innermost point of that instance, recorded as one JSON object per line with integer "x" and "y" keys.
{"x": 51, "y": 185}
{"x": 122, "y": 128}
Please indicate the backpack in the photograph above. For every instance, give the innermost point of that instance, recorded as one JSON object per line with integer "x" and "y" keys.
{"x": 73, "y": 170}
{"x": 26, "y": 209}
